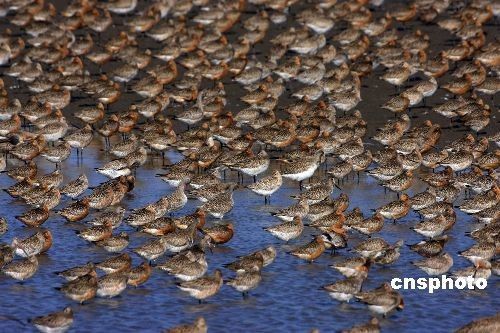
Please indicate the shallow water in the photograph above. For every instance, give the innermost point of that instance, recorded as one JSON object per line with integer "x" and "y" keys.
{"x": 288, "y": 298}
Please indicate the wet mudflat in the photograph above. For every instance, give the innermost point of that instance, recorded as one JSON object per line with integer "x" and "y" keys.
{"x": 289, "y": 298}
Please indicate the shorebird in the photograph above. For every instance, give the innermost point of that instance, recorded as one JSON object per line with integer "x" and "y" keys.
{"x": 57, "y": 154}
{"x": 50, "y": 197}
{"x": 219, "y": 233}
{"x": 76, "y": 272}
{"x": 483, "y": 251}
{"x": 248, "y": 263}
{"x": 396, "y": 209}
{"x": 344, "y": 290}
{"x": 370, "y": 225}
{"x": 81, "y": 289}
{"x": 317, "y": 193}
{"x": 140, "y": 217}
{"x": 115, "y": 169}
{"x": 302, "y": 169}
{"x": 459, "y": 160}
{"x": 340, "y": 170}
{"x": 480, "y": 270}
{"x": 118, "y": 263}
{"x": 76, "y": 187}
{"x": 267, "y": 185}
{"x": 387, "y": 171}
{"x": 30, "y": 246}
{"x": 53, "y": 131}
{"x": 34, "y": 217}
{"x": 174, "y": 201}
{"x": 268, "y": 255}
{"x": 400, "y": 183}
{"x": 112, "y": 284}
{"x": 177, "y": 174}
{"x": 53, "y": 179}
{"x": 34, "y": 192}
{"x": 101, "y": 197}
{"x": 27, "y": 151}
{"x": 180, "y": 239}
{"x": 489, "y": 215}
{"x": 382, "y": 300}
{"x": 6, "y": 254}
{"x": 76, "y": 211}
{"x": 310, "y": 251}
{"x": 211, "y": 178}
{"x": 436, "y": 265}
{"x": 389, "y": 255}
{"x": 351, "y": 267}
{"x": 27, "y": 171}
{"x": 436, "y": 209}
{"x": 430, "y": 248}
{"x": 187, "y": 266}
{"x": 354, "y": 217}
{"x": 115, "y": 243}
{"x": 245, "y": 281}
{"x": 331, "y": 222}
{"x": 158, "y": 227}
{"x": 397, "y": 75}
{"x": 22, "y": 269}
{"x": 203, "y": 287}
{"x": 372, "y": 247}
{"x": 209, "y": 192}
{"x": 287, "y": 230}
{"x": 90, "y": 115}
{"x": 4, "y": 226}
{"x": 372, "y": 326}
{"x": 139, "y": 275}
{"x": 221, "y": 204}
{"x": 80, "y": 138}
{"x": 56, "y": 322}
{"x": 489, "y": 161}
{"x": 422, "y": 200}
{"x": 321, "y": 209}
{"x": 114, "y": 217}
{"x": 485, "y": 324}
{"x": 199, "y": 326}
{"x": 109, "y": 128}
{"x": 96, "y": 233}
{"x": 22, "y": 187}
{"x": 253, "y": 166}
{"x": 481, "y": 201}
{"x": 434, "y": 227}
{"x": 153, "y": 249}
{"x": 300, "y": 209}
{"x": 198, "y": 218}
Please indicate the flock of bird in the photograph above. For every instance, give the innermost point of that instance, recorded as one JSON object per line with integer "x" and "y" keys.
{"x": 184, "y": 86}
